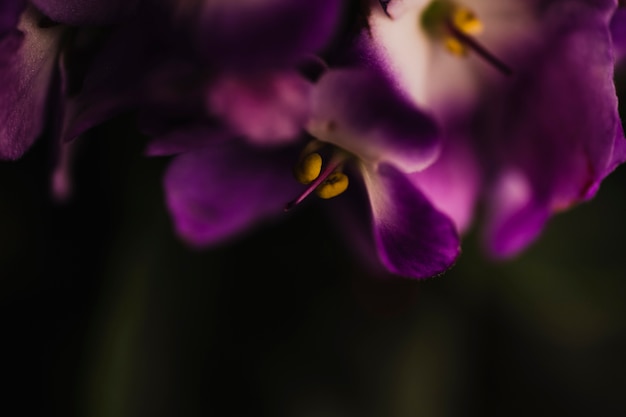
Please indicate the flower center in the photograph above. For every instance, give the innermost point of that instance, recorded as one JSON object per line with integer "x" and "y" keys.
{"x": 456, "y": 27}
{"x": 327, "y": 180}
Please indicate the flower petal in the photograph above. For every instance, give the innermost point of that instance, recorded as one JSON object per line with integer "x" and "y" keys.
{"x": 267, "y": 108}
{"x": 413, "y": 238}
{"x": 86, "y": 12}
{"x": 452, "y": 183}
{"x": 10, "y": 11}
{"x": 515, "y": 218}
{"x": 218, "y": 193}
{"x": 362, "y": 112}
{"x": 27, "y": 62}
{"x": 618, "y": 33}
{"x": 271, "y": 32}
{"x": 135, "y": 69}
{"x": 190, "y": 139}
{"x": 562, "y": 134}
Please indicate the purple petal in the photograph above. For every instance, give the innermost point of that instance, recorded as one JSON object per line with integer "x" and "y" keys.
{"x": 272, "y": 33}
{"x": 562, "y": 133}
{"x": 413, "y": 238}
{"x": 10, "y": 11}
{"x": 515, "y": 217}
{"x": 27, "y": 61}
{"x": 218, "y": 193}
{"x": 618, "y": 33}
{"x": 190, "y": 139}
{"x": 267, "y": 108}
{"x": 86, "y": 12}
{"x": 363, "y": 113}
{"x": 452, "y": 183}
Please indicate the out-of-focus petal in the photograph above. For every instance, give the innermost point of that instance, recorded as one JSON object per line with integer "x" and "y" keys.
{"x": 413, "y": 238}
{"x": 515, "y": 218}
{"x": 268, "y": 108}
{"x": 26, "y": 74}
{"x": 452, "y": 183}
{"x": 10, "y": 11}
{"x": 135, "y": 67}
{"x": 190, "y": 139}
{"x": 562, "y": 133}
{"x": 362, "y": 112}
{"x": 266, "y": 33}
{"x": 86, "y": 12}
{"x": 218, "y": 193}
{"x": 618, "y": 33}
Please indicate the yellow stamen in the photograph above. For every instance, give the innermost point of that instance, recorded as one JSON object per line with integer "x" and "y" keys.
{"x": 309, "y": 168}
{"x": 466, "y": 21}
{"x": 454, "y": 46}
{"x": 335, "y": 184}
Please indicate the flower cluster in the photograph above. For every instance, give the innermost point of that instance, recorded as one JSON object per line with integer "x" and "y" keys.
{"x": 410, "y": 115}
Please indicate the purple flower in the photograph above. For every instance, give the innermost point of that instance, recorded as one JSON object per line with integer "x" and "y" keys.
{"x": 524, "y": 92}
{"x": 359, "y": 128}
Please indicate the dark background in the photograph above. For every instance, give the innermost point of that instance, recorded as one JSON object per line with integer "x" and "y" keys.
{"x": 104, "y": 312}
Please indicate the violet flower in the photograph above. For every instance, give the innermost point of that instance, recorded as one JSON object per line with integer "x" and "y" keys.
{"x": 234, "y": 168}
{"x": 525, "y": 94}
{"x": 358, "y": 124}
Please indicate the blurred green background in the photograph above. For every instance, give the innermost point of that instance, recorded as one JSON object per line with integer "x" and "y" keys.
{"x": 105, "y": 313}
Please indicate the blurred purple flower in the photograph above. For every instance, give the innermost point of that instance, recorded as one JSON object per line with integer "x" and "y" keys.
{"x": 525, "y": 94}
{"x": 226, "y": 185}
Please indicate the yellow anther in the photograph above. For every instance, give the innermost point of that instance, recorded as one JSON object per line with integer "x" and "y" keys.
{"x": 335, "y": 184}
{"x": 454, "y": 46}
{"x": 309, "y": 168}
{"x": 466, "y": 21}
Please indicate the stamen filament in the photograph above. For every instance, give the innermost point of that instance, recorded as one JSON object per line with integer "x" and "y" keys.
{"x": 329, "y": 169}
{"x": 473, "y": 44}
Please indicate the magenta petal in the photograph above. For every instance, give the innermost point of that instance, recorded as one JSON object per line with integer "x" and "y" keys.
{"x": 452, "y": 183}
{"x": 26, "y": 73}
{"x": 218, "y": 193}
{"x": 515, "y": 217}
{"x": 413, "y": 238}
{"x": 268, "y": 108}
{"x": 86, "y": 12}
{"x": 362, "y": 112}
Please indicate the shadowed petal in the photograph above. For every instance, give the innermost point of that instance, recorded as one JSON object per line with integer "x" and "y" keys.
{"x": 562, "y": 134}
{"x": 222, "y": 191}
{"x": 413, "y": 238}
{"x": 272, "y": 33}
{"x": 10, "y": 11}
{"x": 191, "y": 139}
{"x": 363, "y": 113}
{"x": 618, "y": 33}
{"x": 134, "y": 67}
{"x": 26, "y": 72}
{"x": 86, "y": 12}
